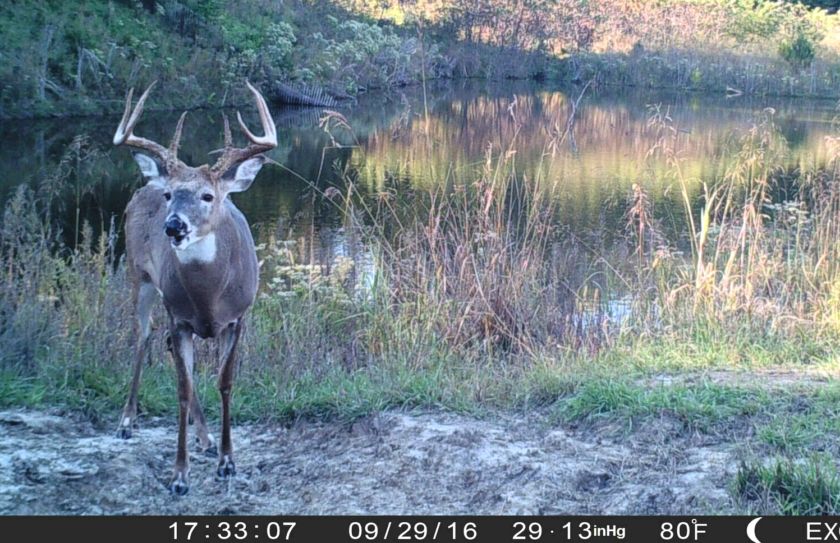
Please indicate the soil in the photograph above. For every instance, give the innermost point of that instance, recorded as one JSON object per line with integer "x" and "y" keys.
{"x": 392, "y": 463}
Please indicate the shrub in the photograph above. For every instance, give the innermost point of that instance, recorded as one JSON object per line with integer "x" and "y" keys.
{"x": 799, "y": 51}
{"x": 279, "y": 41}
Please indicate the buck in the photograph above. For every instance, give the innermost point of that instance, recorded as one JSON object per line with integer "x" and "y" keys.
{"x": 187, "y": 243}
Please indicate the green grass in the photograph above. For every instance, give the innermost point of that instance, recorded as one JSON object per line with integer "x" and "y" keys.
{"x": 799, "y": 433}
{"x": 810, "y": 423}
{"x": 701, "y": 405}
{"x": 575, "y": 388}
{"x": 811, "y": 487}
{"x": 617, "y": 386}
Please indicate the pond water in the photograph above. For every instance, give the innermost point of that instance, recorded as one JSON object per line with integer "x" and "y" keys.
{"x": 399, "y": 143}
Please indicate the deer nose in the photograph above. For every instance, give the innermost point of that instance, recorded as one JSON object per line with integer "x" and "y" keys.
{"x": 175, "y": 227}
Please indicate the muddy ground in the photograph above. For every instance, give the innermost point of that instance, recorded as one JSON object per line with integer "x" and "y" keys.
{"x": 392, "y": 463}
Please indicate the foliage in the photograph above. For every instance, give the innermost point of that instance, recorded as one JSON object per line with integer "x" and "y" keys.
{"x": 798, "y": 50}
{"x": 60, "y": 58}
{"x": 360, "y": 51}
{"x": 279, "y": 43}
{"x": 648, "y": 43}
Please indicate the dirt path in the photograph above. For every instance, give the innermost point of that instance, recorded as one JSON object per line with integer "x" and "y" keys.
{"x": 393, "y": 463}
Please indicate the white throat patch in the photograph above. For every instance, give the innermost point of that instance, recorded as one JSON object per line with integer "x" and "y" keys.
{"x": 203, "y": 250}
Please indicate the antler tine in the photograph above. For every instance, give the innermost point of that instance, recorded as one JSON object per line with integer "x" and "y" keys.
{"x": 138, "y": 109}
{"x": 125, "y": 131}
{"x": 270, "y": 137}
{"x": 228, "y": 137}
{"x": 176, "y": 139}
{"x": 120, "y": 134}
{"x": 257, "y": 145}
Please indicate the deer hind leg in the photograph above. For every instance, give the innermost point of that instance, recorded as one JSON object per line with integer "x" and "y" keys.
{"x": 183, "y": 354}
{"x": 229, "y": 341}
{"x": 144, "y": 296}
{"x": 206, "y": 443}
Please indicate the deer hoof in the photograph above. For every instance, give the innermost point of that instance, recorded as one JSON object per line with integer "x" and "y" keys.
{"x": 124, "y": 431}
{"x": 179, "y": 485}
{"x": 227, "y": 468}
{"x": 209, "y": 448}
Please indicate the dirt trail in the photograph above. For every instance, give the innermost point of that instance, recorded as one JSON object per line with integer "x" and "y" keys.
{"x": 392, "y": 463}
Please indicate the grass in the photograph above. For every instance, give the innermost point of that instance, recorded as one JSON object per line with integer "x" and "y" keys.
{"x": 811, "y": 424}
{"x": 798, "y": 433}
{"x": 577, "y": 388}
{"x": 700, "y": 406}
{"x": 792, "y": 488}
{"x": 794, "y": 421}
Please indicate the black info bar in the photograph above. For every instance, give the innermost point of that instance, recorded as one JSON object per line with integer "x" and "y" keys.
{"x": 466, "y": 529}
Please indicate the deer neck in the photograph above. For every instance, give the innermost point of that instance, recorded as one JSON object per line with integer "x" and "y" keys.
{"x": 203, "y": 251}
{"x": 203, "y": 273}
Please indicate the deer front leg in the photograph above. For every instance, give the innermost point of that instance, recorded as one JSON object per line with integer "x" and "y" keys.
{"x": 144, "y": 297}
{"x": 230, "y": 339}
{"x": 183, "y": 355}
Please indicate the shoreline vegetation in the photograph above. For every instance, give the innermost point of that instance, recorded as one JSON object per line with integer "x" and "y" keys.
{"x": 473, "y": 300}
{"x": 64, "y": 59}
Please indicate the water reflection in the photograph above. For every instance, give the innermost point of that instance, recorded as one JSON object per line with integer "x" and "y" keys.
{"x": 396, "y": 147}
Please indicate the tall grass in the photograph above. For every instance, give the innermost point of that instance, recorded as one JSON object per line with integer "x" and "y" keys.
{"x": 483, "y": 265}
{"x": 754, "y": 262}
{"x": 487, "y": 269}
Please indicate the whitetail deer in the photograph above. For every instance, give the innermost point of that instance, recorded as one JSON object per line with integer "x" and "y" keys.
{"x": 187, "y": 243}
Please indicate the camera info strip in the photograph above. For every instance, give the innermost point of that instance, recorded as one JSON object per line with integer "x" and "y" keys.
{"x": 447, "y": 529}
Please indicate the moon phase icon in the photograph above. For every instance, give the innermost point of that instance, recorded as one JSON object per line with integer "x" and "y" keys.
{"x": 751, "y": 530}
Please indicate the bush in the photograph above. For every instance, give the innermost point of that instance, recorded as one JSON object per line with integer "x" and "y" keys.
{"x": 279, "y": 41}
{"x": 799, "y": 51}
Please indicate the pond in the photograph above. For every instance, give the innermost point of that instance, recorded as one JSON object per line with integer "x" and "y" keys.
{"x": 401, "y": 143}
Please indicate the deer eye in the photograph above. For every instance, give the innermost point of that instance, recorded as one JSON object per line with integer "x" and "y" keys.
{"x": 207, "y": 197}
{"x": 167, "y": 196}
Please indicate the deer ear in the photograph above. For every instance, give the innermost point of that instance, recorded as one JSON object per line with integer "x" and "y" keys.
{"x": 239, "y": 178}
{"x": 152, "y": 169}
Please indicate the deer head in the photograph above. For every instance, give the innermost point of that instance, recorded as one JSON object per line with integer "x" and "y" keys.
{"x": 194, "y": 196}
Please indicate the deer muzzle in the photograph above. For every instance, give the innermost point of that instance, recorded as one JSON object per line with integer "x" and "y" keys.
{"x": 175, "y": 228}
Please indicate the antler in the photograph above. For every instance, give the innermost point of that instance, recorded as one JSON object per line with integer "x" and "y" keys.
{"x": 125, "y": 131}
{"x": 257, "y": 145}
